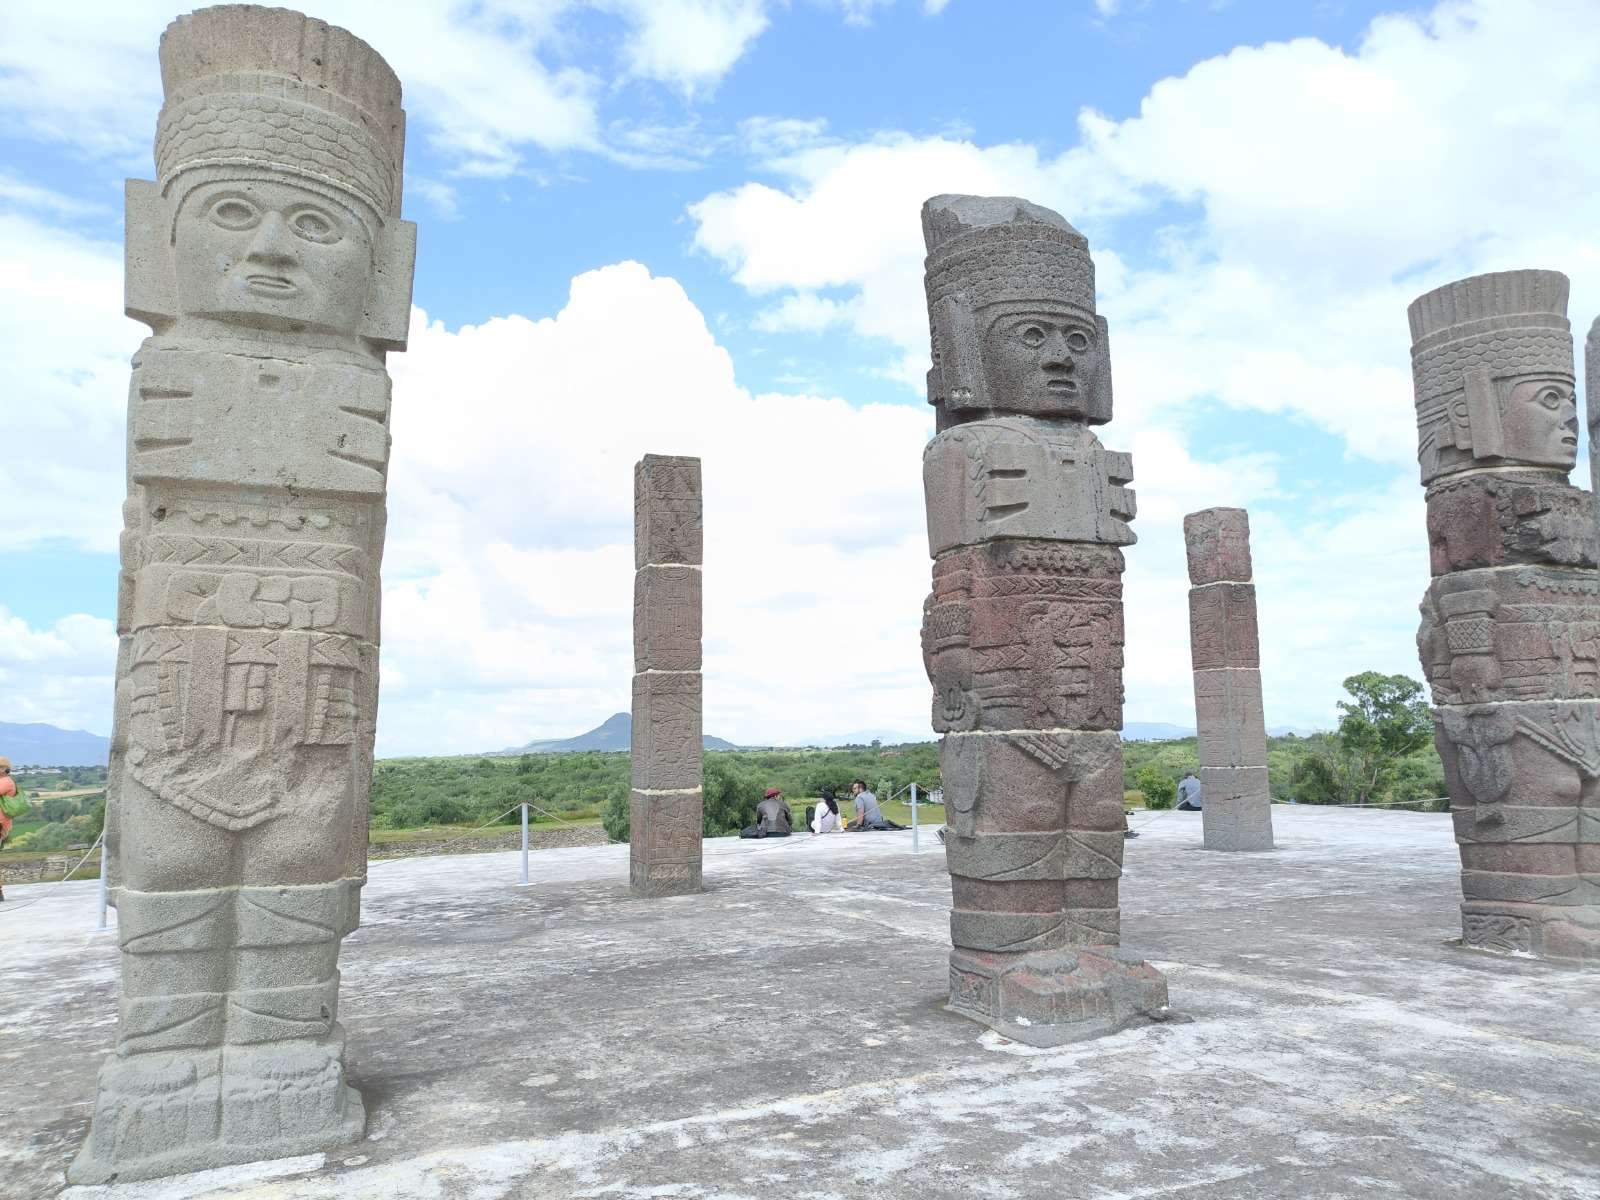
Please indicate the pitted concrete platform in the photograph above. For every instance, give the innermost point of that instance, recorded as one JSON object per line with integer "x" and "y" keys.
{"x": 565, "y": 1040}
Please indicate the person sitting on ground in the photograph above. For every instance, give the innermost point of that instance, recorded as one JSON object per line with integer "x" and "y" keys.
{"x": 1189, "y": 794}
{"x": 868, "y": 815}
{"x": 773, "y": 818}
{"x": 826, "y": 819}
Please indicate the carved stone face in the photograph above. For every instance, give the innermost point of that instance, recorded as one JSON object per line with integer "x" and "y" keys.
{"x": 1042, "y": 361}
{"x": 1540, "y": 421}
{"x": 272, "y": 254}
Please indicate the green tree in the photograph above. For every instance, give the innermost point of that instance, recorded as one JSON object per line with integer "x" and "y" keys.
{"x": 1157, "y": 786}
{"x": 1386, "y": 719}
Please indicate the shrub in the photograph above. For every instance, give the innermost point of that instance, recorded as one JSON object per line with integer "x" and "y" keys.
{"x": 1159, "y": 788}
{"x": 54, "y": 836}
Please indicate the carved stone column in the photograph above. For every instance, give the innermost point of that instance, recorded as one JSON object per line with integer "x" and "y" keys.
{"x": 666, "y": 805}
{"x": 272, "y": 267}
{"x": 1236, "y": 803}
{"x": 1510, "y": 636}
{"x": 1022, "y": 634}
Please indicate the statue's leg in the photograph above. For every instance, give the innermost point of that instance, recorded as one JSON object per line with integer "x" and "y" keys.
{"x": 159, "y": 1094}
{"x": 1035, "y": 855}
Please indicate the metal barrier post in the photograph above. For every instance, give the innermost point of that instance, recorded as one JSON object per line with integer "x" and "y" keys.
{"x": 913, "y": 818}
{"x": 103, "y": 895}
{"x": 524, "y": 882}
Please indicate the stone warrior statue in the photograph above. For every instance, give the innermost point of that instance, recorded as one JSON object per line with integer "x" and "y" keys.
{"x": 272, "y": 267}
{"x": 1510, "y": 636}
{"x": 1022, "y": 635}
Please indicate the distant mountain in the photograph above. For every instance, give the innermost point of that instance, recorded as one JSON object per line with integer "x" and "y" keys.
{"x": 1153, "y": 731}
{"x": 865, "y": 737}
{"x": 48, "y": 746}
{"x": 615, "y": 733}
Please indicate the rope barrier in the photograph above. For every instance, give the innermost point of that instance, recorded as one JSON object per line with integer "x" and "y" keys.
{"x": 493, "y": 820}
{"x": 73, "y": 870}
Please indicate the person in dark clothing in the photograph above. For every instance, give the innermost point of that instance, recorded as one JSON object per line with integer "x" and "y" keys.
{"x": 773, "y": 818}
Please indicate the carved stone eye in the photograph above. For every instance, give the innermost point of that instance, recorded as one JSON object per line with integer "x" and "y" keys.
{"x": 1552, "y": 398}
{"x": 235, "y": 214}
{"x": 1031, "y": 336}
{"x": 1078, "y": 341}
{"x": 314, "y": 225}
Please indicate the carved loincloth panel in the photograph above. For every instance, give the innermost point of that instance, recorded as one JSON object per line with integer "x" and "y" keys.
{"x": 1526, "y": 633}
{"x": 666, "y": 618}
{"x": 1043, "y": 635}
{"x": 223, "y": 723}
{"x": 292, "y": 420}
{"x": 668, "y": 523}
{"x": 666, "y": 747}
{"x": 1022, "y": 477}
{"x": 1222, "y": 626}
{"x": 1494, "y": 520}
{"x": 1237, "y": 812}
{"x": 1030, "y": 783}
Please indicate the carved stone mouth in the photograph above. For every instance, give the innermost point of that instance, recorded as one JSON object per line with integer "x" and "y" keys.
{"x": 270, "y": 285}
{"x": 1062, "y": 385}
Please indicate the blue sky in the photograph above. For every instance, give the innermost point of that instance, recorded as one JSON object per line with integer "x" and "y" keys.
{"x": 690, "y": 226}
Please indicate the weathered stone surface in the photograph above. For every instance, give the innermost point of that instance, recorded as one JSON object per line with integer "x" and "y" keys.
{"x": 666, "y": 754}
{"x": 1026, "y": 635}
{"x": 1225, "y": 645}
{"x": 1483, "y": 520}
{"x": 1229, "y": 721}
{"x": 1217, "y": 544}
{"x": 668, "y": 524}
{"x": 1521, "y": 633}
{"x": 1222, "y": 626}
{"x": 664, "y": 831}
{"x": 1238, "y": 808}
{"x": 1022, "y": 634}
{"x": 1022, "y": 477}
{"x": 1510, "y": 634}
{"x": 270, "y": 262}
{"x": 666, "y": 624}
{"x": 1491, "y": 361}
{"x": 666, "y": 730}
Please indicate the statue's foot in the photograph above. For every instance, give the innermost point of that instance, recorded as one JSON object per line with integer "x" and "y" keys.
{"x": 152, "y": 1109}
{"x": 289, "y": 1094}
{"x": 1560, "y": 933}
{"x": 1050, "y": 997}
{"x": 169, "y": 1113}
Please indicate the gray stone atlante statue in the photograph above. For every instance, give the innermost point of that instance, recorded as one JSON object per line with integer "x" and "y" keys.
{"x": 271, "y": 265}
{"x": 1022, "y": 635}
{"x": 1510, "y": 634}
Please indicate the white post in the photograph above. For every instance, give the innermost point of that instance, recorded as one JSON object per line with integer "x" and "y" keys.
{"x": 524, "y": 882}
{"x": 103, "y": 895}
{"x": 913, "y": 818}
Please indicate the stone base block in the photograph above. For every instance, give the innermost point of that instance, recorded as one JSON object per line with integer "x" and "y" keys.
{"x": 1049, "y": 998}
{"x": 1237, "y": 812}
{"x": 1568, "y": 934}
{"x": 664, "y": 879}
{"x": 174, "y": 1112}
{"x": 665, "y": 832}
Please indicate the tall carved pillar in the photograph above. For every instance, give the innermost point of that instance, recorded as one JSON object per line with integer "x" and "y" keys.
{"x": 272, "y": 267}
{"x": 1236, "y": 802}
{"x": 666, "y": 805}
{"x": 1022, "y": 635}
{"x": 1510, "y": 636}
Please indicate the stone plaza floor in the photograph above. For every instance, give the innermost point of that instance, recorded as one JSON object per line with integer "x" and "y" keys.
{"x": 782, "y": 1035}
